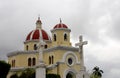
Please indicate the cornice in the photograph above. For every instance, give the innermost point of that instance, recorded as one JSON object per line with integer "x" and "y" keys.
{"x": 36, "y": 41}
{"x": 61, "y": 48}
{"x": 66, "y": 29}
{"x": 45, "y": 50}
{"x": 21, "y": 52}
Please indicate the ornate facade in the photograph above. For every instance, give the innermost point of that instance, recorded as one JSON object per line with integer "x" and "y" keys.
{"x": 59, "y": 56}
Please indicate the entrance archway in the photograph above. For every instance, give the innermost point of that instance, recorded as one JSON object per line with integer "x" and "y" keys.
{"x": 70, "y": 75}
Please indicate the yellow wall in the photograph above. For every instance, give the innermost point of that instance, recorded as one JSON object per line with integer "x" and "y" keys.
{"x": 31, "y": 44}
{"x": 60, "y": 38}
{"x": 22, "y": 59}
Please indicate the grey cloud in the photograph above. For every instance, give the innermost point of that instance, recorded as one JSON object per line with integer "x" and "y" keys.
{"x": 17, "y": 19}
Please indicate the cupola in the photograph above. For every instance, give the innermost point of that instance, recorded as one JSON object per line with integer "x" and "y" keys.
{"x": 35, "y": 36}
{"x": 61, "y": 35}
{"x": 60, "y": 25}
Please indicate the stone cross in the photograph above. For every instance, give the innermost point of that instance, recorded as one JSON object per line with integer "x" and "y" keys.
{"x": 40, "y": 49}
{"x": 80, "y": 44}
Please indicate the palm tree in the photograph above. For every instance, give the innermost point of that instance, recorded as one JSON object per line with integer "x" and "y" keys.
{"x": 97, "y": 73}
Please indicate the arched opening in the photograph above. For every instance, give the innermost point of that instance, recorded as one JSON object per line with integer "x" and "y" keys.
{"x": 54, "y": 37}
{"x": 35, "y": 47}
{"x": 13, "y": 63}
{"x": 52, "y": 60}
{"x": 29, "y": 62}
{"x": 34, "y": 61}
{"x": 70, "y": 75}
{"x": 49, "y": 59}
{"x": 65, "y": 37}
{"x": 45, "y": 46}
{"x": 27, "y": 47}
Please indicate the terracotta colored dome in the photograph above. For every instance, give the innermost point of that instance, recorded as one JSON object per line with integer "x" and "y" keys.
{"x": 60, "y": 25}
{"x": 36, "y": 34}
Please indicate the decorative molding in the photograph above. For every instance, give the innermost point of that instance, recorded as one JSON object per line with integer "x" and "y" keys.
{"x": 21, "y": 52}
{"x": 66, "y": 29}
{"x": 61, "y": 48}
{"x": 45, "y": 50}
{"x": 69, "y": 70}
{"x": 36, "y": 40}
{"x": 67, "y": 53}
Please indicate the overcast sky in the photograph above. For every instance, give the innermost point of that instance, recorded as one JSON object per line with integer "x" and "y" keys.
{"x": 97, "y": 20}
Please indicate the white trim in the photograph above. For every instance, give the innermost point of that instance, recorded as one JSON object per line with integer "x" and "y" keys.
{"x": 67, "y": 53}
{"x": 31, "y": 36}
{"x": 40, "y": 34}
{"x": 69, "y": 70}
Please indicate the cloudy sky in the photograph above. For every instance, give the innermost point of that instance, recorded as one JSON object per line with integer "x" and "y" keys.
{"x": 97, "y": 20}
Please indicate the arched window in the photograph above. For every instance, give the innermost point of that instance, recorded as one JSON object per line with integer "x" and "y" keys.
{"x": 27, "y": 47}
{"x": 45, "y": 46}
{"x": 13, "y": 63}
{"x": 29, "y": 62}
{"x": 65, "y": 37}
{"x": 54, "y": 37}
{"x": 52, "y": 59}
{"x": 35, "y": 47}
{"x": 49, "y": 59}
{"x": 34, "y": 61}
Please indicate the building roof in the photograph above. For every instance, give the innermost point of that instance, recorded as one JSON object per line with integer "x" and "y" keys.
{"x": 36, "y": 34}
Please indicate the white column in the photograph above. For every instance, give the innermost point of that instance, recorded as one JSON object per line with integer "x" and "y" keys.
{"x": 40, "y": 68}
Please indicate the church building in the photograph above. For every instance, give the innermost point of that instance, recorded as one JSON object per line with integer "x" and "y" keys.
{"x": 56, "y": 53}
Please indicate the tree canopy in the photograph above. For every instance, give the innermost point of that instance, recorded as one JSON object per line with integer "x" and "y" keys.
{"x": 27, "y": 73}
{"x": 4, "y": 69}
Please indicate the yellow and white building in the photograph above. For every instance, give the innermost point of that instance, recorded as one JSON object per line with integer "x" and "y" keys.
{"x": 59, "y": 56}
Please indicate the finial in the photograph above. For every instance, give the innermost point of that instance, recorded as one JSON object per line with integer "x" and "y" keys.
{"x": 39, "y": 17}
{"x": 60, "y": 20}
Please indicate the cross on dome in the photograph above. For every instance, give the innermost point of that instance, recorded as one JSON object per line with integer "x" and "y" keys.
{"x": 60, "y": 21}
{"x": 39, "y": 17}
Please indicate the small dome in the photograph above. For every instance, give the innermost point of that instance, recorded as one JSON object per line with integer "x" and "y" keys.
{"x": 36, "y": 34}
{"x": 60, "y": 25}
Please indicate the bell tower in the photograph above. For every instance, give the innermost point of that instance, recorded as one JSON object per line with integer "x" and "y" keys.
{"x": 61, "y": 35}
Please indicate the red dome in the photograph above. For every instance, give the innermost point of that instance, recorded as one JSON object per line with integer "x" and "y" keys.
{"x": 35, "y": 34}
{"x": 60, "y": 25}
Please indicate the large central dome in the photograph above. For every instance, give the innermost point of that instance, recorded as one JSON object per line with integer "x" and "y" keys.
{"x": 36, "y": 34}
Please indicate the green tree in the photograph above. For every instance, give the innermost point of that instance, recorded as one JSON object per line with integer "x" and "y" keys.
{"x": 97, "y": 73}
{"x": 28, "y": 73}
{"x": 52, "y": 76}
{"x": 14, "y": 76}
{"x": 4, "y": 69}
